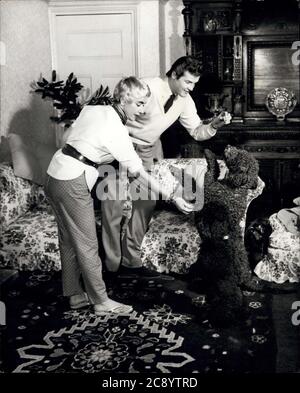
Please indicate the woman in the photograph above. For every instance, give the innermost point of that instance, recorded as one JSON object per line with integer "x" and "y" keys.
{"x": 98, "y": 136}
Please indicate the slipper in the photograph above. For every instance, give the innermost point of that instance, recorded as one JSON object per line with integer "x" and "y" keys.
{"x": 81, "y": 304}
{"x": 79, "y": 301}
{"x": 120, "y": 309}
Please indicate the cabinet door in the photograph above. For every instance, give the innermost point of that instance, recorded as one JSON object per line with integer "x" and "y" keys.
{"x": 208, "y": 49}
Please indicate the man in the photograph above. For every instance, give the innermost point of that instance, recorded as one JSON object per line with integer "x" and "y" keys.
{"x": 170, "y": 100}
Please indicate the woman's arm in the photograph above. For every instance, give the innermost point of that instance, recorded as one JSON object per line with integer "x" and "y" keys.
{"x": 151, "y": 183}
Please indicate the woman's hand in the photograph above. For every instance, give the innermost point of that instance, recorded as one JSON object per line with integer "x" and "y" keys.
{"x": 182, "y": 205}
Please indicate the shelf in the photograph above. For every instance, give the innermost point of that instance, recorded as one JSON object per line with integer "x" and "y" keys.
{"x": 232, "y": 83}
{"x": 216, "y": 34}
{"x": 267, "y": 129}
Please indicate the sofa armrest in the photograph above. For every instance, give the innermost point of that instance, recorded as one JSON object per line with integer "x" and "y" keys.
{"x": 187, "y": 168}
{"x": 17, "y": 195}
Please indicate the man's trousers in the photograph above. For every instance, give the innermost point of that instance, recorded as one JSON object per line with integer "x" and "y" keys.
{"x": 127, "y": 250}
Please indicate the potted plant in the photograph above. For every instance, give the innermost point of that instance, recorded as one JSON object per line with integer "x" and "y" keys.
{"x": 66, "y": 99}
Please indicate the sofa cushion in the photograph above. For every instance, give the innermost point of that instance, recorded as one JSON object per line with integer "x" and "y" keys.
{"x": 17, "y": 195}
{"x": 30, "y": 159}
{"x": 172, "y": 242}
{"x": 281, "y": 237}
{"x": 31, "y": 242}
{"x": 279, "y": 266}
{"x": 282, "y": 261}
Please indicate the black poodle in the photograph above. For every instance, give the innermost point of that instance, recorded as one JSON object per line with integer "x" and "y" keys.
{"x": 223, "y": 261}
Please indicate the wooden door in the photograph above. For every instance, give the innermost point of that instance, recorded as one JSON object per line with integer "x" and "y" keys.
{"x": 99, "y": 47}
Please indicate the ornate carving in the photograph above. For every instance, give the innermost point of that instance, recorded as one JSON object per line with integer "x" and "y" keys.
{"x": 214, "y": 20}
{"x": 188, "y": 13}
{"x": 281, "y": 101}
{"x": 272, "y": 149}
{"x": 283, "y": 26}
{"x": 238, "y": 99}
{"x": 237, "y": 16}
{"x": 196, "y": 150}
{"x": 260, "y": 133}
{"x": 210, "y": 23}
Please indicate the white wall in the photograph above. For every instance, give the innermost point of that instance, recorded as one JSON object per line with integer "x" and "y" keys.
{"x": 171, "y": 28}
{"x": 24, "y": 30}
{"x": 148, "y": 32}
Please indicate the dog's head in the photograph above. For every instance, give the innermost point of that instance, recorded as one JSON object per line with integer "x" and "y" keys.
{"x": 242, "y": 168}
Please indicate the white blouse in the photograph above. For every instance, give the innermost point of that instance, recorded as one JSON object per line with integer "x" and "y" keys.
{"x": 99, "y": 135}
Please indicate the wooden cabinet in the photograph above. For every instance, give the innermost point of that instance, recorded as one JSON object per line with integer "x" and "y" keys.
{"x": 246, "y": 44}
{"x": 213, "y": 34}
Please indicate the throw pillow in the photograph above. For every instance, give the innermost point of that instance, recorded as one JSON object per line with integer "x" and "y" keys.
{"x": 30, "y": 159}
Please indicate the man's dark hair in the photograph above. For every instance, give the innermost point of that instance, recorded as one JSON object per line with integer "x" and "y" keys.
{"x": 185, "y": 63}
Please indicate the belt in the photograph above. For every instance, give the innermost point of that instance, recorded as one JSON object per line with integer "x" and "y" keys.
{"x": 72, "y": 152}
{"x": 115, "y": 164}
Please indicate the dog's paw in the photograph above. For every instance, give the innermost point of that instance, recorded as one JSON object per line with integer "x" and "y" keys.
{"x": 209, "y": 154}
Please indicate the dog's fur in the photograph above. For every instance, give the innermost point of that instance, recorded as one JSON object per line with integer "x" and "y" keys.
{"x": 223, "y": 262}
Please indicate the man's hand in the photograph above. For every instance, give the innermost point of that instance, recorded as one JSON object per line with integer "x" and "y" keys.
{"x": 182, "y": 205}
{"x": 220, "y": 120}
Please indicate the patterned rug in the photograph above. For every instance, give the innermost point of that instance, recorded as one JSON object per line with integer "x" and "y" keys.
{"x": 168, "y": 331}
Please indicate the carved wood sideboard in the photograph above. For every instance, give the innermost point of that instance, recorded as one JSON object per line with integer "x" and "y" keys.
{"x": 277, "y": 148}
{"x": 247, "y": 46}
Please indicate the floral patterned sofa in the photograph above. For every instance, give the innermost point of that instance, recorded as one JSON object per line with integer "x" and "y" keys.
{"x": 282, "y": 261}
{"x": 28, "y": 229}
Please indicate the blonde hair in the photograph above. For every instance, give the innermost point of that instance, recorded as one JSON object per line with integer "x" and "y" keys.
{"x": 129, "y": 88}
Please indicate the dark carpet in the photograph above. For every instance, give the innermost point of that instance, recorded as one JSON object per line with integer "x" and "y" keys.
{"x": 168, "y": 331}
